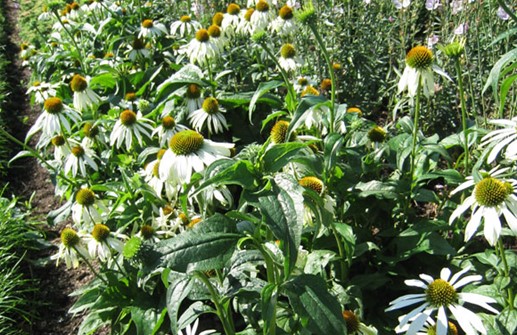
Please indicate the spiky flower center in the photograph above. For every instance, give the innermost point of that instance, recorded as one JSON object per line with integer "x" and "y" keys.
{"x": 262, "y": 6}
{"x": 130, "y": 96}
{"x": 132, "y": 247}
{"x": 90, "y": 130}
{"x": 214, "y": 31}
{"x": 211, "y": 105}
{"x": 186, "y": 142}
{"x": 233, "y": 9}
{"x": 286, "y": 12}
{"x": 53, "y": 105}
{"x": 452, "y": 330}
{"x": 377, "y": 134}
{"x": 279, "y": 132}
{"x": 194, "y": 222}
{"x": 69, "y": 237}
{"x": 356, "y": 110}
{"x": 217, "y": 19}
{"x": 352, "y": 322}
{"x": 202, "y": 35}
{"x": 193, "y": 91}
{"x": 147, "y": 231}
{"x": 336, "y": 66}
{"x": 185, "y": 19}
{"x": 128, "y": 117}
{"x": 100, "y": 232}
{"x": 326, "y": 84}
{"x": 74, "y": 6}
{"x": 58, "y": 140}
{"x": 168, "y": 122}
{"x": 302, "y": 81}
{"x": 138, "y": 44}
{"x": 491, "y": 192}
{"x": 109, "y": 55}
{"x": 309, "y": 90}
{"x": 36, "y": 83}
{"x": 85, "y": 197}
{"x": 308, "y": 14}
{"x": 454, "y": 49}
{"x": 160, "y": 153}
{"x": 78, "y": 83}
{"x": 184, "y": 219}
{"x": 312, "y": 183}
{"x": 440, "y": 293}
{"x": 167, "y": 209}
{"x": 288, "y": 51}
{"x": 77, "y": 151}
{"x": 420, "y": 57}
{"x": 147, "y": 23}
{"x": 249, "y": 12}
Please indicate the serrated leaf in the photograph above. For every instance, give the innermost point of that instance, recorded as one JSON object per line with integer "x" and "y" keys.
{"x": 311, "y": 300}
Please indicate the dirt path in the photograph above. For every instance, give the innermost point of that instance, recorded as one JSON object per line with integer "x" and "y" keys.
{"x": 27, "y": 179}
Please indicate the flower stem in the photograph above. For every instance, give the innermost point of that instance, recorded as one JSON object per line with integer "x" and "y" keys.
{"x": 463, "y": 115}
{"x": 506, "y": 270}
{"x": 90, "y": 266}
{"x": 507, "y": 10}
{"x": 415, "y": 133}
{"x": 221, "y": 310}
{"x": 79, "y": 53}
{"x": 323, "y": 47}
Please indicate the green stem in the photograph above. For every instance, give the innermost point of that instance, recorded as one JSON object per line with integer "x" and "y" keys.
{"x": 339, "y": 243}
{"x": 507, "y": 10}
{"x": 506, "y": 270}
{"x": 221, "y": 311}
{"x": 415, "y": 132}
{"x": 90, "y": 266}
{"x": 331, "y": 74}
{"x": 463, "y": 115}
{"x": 73, "y": 41}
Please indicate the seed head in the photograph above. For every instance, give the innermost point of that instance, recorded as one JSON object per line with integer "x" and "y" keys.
{"x": 288, "y": 51}
{"x": 233, "y": 9}
{"x": 147, "y": 23}
{"x": 77, "y": 151}
{"x": 85, "y": 197}
{"x": 78, "y": 83}
{"x": 262, "y": 6}
{"x": 492, "y": 192}
{"x": 217, "y": 19}
{"x": 53, "y": 105}
{"x": 279, "y": 132}
{"x": 138, "y": 44}
{"x": 309, "y": 90}
{"x": 130, "y": 96}
{"x": 147, "y": 231}
{"x": 168, "y": 122}
{"x": 211, "y": 105}
{"x": 440, "y": 293}
{"x": 312, "y": 183}
{"x": 307, "y": 15}
{"x": 69, "y": 237}
{"x": 185, "y": 19}
{"x": 249, "y": 12}
{"x": 202, "y": 35}
{"x": 193, "y": 91}
{"x": 58, "y": 140}
{"x": 132, "y": 247}
{"x": 100, "y": 232}
{"x": 420, "y": 58}
{"x": 128, "y": 117}
{"x": 326, "y": 84}
{"x": 90, "y": 130}
{"x": 214, "y": 31}
{"x": 186, "y": 142}
{"x": 377, "y": 134}
{"x": 352, "y": 322}
{"x": 286, "y": 13}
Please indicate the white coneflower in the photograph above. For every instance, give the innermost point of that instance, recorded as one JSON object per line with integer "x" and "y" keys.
{"x": 79, "y": 158}
{"x": 150, "y": 28}
{"x": 87, "y": 209}
{"x": 418, "y": 72}
{"x": 441, "y": 295}
{"x": 288, "y": 59}
{"x": 152, "y": 178}
{"x": 201, "y": 49}
{"x": 75, "y": 12}
{"x": 316, "y": 115}
{"x": 191, "y": 330}
{"x": 245, "y": 27}
{"x": 45, "y": 15}
{"x": 129, "y": 125}
{"x": 262, "y": 16}
{"x": 54, "y": 118}
{"x": 84, "y": 96}
{"x": 42, "y": 91}
{"x": 188, "y": 152}
{"x": 301, "y": 82}
{"x": 185, "y": 26}
{"x": 209, "y": 115}
{"x": 193, "y": 97}
{"x": 152, "y": 232}
{"x": 102, "y": 242}
{"x": 165, "y": 222}
{"x": 61, "y": 150}
{"x": 231, "y": 19}
{"x": 284, "y": 24}
{"x": 491, "y": 198}
{"x": 315, "y": 184}
{"x": 168, "y": 128}
{"x": 217, "y": 37}
{"x": 71, "y": 246}
{"x": 138, "y": 50}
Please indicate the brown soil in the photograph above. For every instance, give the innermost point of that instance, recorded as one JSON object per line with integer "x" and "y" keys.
{"x": 29, "y": 180}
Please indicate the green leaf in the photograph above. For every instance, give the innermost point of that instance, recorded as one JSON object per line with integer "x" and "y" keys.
{"x": 306, "y": 103}
{"x": 212, "y": 240}
{"x": 104, "y": 80}
{"x": 493, "y": 77}
{"x": 178, "y": 290}
{"x": 279, "y": 155}
{"x": 146, "y": 320}
{"x": 381, "y": 190}
{"x": 505, "y": 87}
{"x": 269, "y": 296}
{"x": 331, "y": 146}
{"x": 311, "y": 300}
{"x": 225, "y": 171}
{"x": 283, "y": 210}
{"x": 262, "y": 89}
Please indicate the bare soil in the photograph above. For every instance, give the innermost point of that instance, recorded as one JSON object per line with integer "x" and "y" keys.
{"x": 29, "y": 180}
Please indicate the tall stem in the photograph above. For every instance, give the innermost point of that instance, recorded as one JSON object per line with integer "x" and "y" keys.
{"x": 90, "y": 266}
{"x": 507, "y": 10}
{"x": 221, "y": 310}
{"x": 415, "y": 132}
{"x": 506, "y": 270}
{"x": 463, "y": 115}
{"x": 332, "y": 75}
